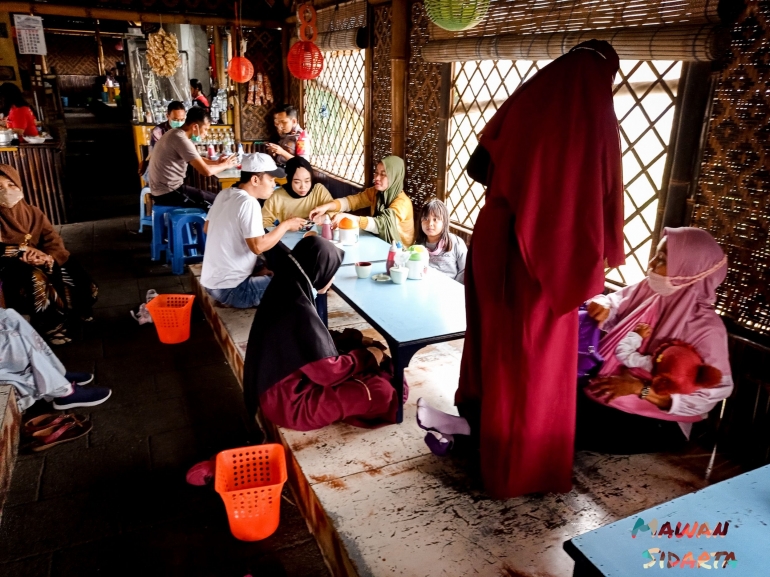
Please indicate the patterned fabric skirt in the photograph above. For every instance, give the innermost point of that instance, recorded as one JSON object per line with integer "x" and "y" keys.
{"x": 51, "y": 297}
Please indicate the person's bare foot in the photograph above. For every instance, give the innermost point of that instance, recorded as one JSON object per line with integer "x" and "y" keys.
{"x": 432, "y": 419}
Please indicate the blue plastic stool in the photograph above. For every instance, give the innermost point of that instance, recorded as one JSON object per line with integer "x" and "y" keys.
{"x": 143, "y": 218}
{"x": 187, "y": 241}
{"x": 160, "y": 231}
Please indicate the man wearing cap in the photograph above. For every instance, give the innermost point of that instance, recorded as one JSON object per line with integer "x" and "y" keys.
{"x": 236, "y": 236}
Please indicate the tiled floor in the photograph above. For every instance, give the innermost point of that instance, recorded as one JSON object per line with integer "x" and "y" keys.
{"x": 401, "y": 511}
{"x": 116, "y": 502}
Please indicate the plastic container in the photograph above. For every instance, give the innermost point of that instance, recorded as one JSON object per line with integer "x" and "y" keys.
{"x": 391, "y": 260}
{"x": 326, "y": 229}
{"x": 250, "y": 480}
{"x": 171, "y": 315}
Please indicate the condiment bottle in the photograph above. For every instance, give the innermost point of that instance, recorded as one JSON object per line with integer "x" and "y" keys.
{"x": 326, "y": 228}
{"x": 211, "y": 152}
{"x": 391, "y": 262}
{"x": 300, "y": 150}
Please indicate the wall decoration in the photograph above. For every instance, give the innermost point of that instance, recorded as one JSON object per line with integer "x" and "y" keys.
{"x": 305, "y": 60}
{"x": 163, "y": 53}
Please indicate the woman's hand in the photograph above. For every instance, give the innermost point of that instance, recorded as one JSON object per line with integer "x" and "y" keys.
{"x": 320, "y": 210}
{"x": 36, "y": 257}
{"x": 338, "y": 218}
{"x": 609, "y": 388}
{"x": 598, "y": 312}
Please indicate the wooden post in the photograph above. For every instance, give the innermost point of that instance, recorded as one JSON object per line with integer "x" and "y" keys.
{"x": 368, "y": 114}
{"x": 220, "y": 59}
{"x": 399, "y": 60}
{"x": 99, "y": 51}
{"x": 236, "y": 94}
{"x": 285, "y": 45}
{"x": 444, "y": 113}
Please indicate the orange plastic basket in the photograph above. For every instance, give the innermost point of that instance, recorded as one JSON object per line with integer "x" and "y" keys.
{"x": 250, "y": 480}
{"x": 171, "y": 315}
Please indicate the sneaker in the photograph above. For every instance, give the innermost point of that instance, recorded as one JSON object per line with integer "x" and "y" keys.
{"x": 79, "y": 379}
{"x": 82, "y": 397}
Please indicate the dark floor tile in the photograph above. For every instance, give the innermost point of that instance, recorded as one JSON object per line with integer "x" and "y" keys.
{"x": 163, "y": 283}
{"x": 38, "y": 566}
{"x": 49, "y": 525}
{"x": 174, "y": 449}
{"x": 25, "y": 481}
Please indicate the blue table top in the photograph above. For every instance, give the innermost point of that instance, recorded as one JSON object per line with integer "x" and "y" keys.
{"x": 369, "y": 248}
{"x": 744, "y": 501}
{"x": 409, "y": 312}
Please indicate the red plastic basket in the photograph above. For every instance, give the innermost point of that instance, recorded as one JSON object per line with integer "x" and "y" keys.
{"x": 250, "y": 480}
{"x": 171, "y": 315}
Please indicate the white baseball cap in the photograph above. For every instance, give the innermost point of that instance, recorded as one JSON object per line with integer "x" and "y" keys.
{"x": 258, "y": 162}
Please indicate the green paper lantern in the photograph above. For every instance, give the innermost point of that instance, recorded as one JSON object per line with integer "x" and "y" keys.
{"x": 456, "y": 15}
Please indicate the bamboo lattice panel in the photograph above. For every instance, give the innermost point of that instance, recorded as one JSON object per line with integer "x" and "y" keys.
{"x": 645, "y": 96}
{"x": 334, "y": 115}
{"x": 733, "y": 197}
{"x": 542, "y": 17}
{"x": 422, "y": 128}
{"x": 257, "y": 121}
{"x": 381, "y": 85}
{"x": 75, "y": 55}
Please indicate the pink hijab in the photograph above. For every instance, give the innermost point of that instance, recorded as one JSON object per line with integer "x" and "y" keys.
{"x": 688, "y": 314}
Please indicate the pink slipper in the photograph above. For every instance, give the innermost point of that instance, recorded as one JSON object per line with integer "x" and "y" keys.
{"x": 201, "y": 474}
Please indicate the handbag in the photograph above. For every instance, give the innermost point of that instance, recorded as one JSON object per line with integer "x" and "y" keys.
{"x": 589, "y": 334}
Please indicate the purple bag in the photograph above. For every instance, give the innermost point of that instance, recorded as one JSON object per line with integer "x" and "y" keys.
{"x": 589, "y": 334}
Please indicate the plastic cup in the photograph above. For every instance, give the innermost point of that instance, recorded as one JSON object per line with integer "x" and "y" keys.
{"x": 363, "y": 269}
{"x": 398, "y": 274}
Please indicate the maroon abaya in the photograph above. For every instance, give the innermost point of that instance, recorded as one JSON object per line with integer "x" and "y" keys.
{"x": 553, "y": 214}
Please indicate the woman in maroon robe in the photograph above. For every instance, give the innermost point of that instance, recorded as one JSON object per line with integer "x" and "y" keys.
{"x": 301, "y": 375}
{"x": 552, "y": 221}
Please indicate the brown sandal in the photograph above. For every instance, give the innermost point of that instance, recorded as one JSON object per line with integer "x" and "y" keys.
{"x": 61, "y": 433}
{"x": 49, "y": 420}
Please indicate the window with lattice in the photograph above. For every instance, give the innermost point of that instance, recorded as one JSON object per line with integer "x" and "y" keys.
{"x": 334, "y": 115}
{"x": 645, "y": 96}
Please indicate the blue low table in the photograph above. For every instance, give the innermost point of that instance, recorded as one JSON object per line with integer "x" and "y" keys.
{"x": 410, "y": 316}
{"x": 369, "y": 248}
{"x": 744, "y": 548}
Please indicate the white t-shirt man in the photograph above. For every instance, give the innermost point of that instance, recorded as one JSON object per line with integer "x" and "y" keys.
{"x": 228, "y": 260}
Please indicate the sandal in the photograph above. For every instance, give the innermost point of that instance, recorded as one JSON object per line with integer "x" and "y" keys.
{"x": 439, "y": 443}
{"x": 63, "y": 433}
{"x": 202, "y": 473}
{"x": 42, "y": 422}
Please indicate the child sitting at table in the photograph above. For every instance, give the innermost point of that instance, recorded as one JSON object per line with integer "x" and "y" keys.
{"x": 447, "y": 251}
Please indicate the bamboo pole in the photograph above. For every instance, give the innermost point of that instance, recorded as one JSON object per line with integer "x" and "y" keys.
{"x": 99, "y": 51}
{"x": 132, "y": 15}
{"x": 285, "y": 45}
{"x": 217, "y": 55}
{"x": 399, "y": 57}
{"x": 444, "y": 113}
{"x": 236, "y": 97}
{"x": 368, "y": 116}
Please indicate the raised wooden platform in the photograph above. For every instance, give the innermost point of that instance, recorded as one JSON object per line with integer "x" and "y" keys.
{"x": 379, "y": 503}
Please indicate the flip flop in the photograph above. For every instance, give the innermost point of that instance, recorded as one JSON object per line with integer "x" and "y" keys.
{"x": 422, "y": 403}
{"x": 62, "y": 433}
{"x": 201, "y": 474}
{"x": 438, "y": 443}
{"x": 47, "y": 421}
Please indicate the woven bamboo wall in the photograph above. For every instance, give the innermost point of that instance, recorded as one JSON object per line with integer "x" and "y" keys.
{"x": 733, "y": 197}
{"x": 422, "y": 127}
{"x": 257, "y": 121}
{"x": 76, "y": 55}
{"x": 381, "y": 84}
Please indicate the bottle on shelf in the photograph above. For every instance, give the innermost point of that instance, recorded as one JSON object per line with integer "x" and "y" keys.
{"x": 211, "y": 152}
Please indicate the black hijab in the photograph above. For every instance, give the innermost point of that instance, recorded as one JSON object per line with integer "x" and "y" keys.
{"x": 287, "y": 332}
{"x": 291, "y": 168}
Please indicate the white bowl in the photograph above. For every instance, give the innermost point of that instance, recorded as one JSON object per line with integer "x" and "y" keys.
{"x": 34, "y": 139}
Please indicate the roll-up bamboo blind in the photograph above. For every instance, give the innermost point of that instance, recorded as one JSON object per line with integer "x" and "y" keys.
{"x": 687, "y": 43}
{"x": 342, "y": 17}
{"x": 350, "y": 39}
{"x": 547, "y": 16}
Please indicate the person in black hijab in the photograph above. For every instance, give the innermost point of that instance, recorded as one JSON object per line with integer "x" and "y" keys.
{"x": 298, "y": 196}
{"x": 301, "y": 375}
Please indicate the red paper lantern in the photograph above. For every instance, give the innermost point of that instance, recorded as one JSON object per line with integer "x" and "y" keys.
{"x": 240, "y": 69}
{"x": 305, "y": 60}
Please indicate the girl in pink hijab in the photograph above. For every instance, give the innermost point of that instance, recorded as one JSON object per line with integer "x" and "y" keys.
{"x": 619, "y": 412}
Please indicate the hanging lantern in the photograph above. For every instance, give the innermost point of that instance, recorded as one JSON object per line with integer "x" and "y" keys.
{"x": 456, "y": 15}
{"x": 240, "y": 69}
{"x": 305, "y": 60}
